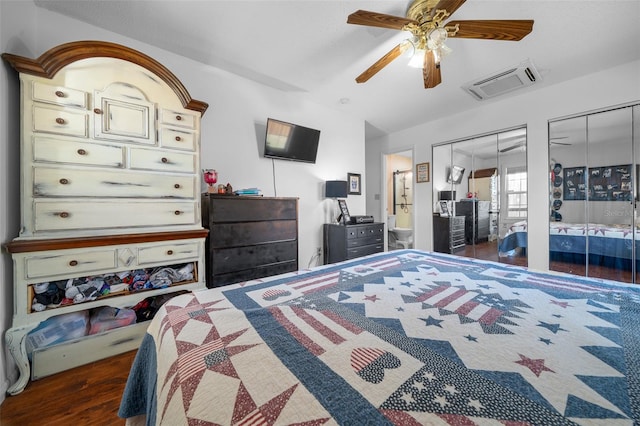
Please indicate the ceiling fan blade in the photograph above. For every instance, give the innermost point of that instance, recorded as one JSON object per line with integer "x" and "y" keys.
{"x": 382, "y": 62}
{"x": 511, "y": 30}
{"x": 448, "y": 5}
{"x": 431, "y": 71}
{"x": 374, "y": 19}
{"x": 512, "y": 147}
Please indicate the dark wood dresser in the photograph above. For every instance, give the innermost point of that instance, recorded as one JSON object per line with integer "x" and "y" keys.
{"x": 249, "y": 237}
{"x": 448, "y": 233}
{"x": 476, "y": 213}
{"x": 344, "y": 242}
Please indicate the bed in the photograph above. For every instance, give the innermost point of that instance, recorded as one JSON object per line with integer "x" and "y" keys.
{"x": 404, "y": 337}
{"x": 609, "y": 245}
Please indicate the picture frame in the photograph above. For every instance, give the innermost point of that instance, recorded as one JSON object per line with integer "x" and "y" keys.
{"x": 422, "y": 172}
{"x": 354, "y": 183}
{"x": 444, "y": 208}
{"x": 344, "y": 217}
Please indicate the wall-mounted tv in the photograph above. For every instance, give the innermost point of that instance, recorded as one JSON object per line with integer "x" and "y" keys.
{"x": 288, "y": 141}
{"x": 455, "y": 174}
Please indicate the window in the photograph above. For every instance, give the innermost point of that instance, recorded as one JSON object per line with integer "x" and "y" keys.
{"x": 517, "y": 192}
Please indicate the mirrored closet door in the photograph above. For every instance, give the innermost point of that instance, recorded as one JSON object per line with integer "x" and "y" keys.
{"x": 480, "y": 193}
{"x": 593, "y": 162}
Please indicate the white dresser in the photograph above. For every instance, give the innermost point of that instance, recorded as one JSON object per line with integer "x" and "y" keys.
{"x": 110, "y": 183}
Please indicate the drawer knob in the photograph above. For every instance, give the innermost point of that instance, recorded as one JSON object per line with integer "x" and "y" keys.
{"x": 97, "y": 110}
{"x": 178, "y": 117}
{"x": 73, "y": 263}
{"x": 169, "y": 252}
{"x": 164, "y": 160}
{"x": 64, "y": 215}
{"x": 176, "y": 186}
{"x": 64, "y": 181}
{"x": 177, "y": 212}
{"x": 60, "y": 120}
{"x": 82, "y": 152}
{"x": 178, "y": 138}
{"x": 60, "y": 94}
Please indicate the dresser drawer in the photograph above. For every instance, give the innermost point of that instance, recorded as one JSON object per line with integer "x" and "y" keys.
{"x": 252, "y": 233}
{"x": 230, "y": 259}
{"x": 247, "y": 209}
{"x": 457, "y": 233}
{"x": 457, "y": 222}
{"x": 58, "y": 216}
{"x": 69, "y": 263}
{"x": 149, "y": 159}
{"x": 81, "y": 153}
{"x": 57, "y": 182}
{"x": 168, "y": 252}
{"x": 355, "y": 252}
{"x": 178, "y": 139}
{"x": 58, "y": 95}
{"x": 365, "y": 240}
{"x": 370, "y": 231}
{"x": 60, "y": 121}
{"x": 178, "y": 118}
{"x": 73, "y": 353}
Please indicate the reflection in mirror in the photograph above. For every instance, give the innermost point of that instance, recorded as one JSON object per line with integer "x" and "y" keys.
{"x": 473, "y": 226}
{"x": 592, "y": 176}
{"x": 513, "y": 197}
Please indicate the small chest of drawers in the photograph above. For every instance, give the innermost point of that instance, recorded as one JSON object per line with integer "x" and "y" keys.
{"x": 344, "y": 242}
{"x": 249, "y": 237}
{"x": 448, "y": 234}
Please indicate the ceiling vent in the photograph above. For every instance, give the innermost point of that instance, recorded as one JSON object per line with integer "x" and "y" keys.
{"x": 504, "y": 81}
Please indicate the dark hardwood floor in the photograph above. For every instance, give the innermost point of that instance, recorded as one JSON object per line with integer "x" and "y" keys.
{"x": 84, "y": 396}
{"x": 489, "y": 251}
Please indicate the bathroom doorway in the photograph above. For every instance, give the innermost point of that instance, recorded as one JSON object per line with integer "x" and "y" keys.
{"x": 399, "y": 200}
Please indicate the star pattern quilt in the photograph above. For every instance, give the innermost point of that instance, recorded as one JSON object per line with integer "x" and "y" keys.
{"x": 567, "y": 241}
{"x": 404, "y": 338}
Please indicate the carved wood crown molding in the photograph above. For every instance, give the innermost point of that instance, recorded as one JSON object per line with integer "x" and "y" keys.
{"x": 53, "y": 60}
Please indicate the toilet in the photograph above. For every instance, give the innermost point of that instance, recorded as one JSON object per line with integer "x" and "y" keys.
{"x": 398, "y": 237}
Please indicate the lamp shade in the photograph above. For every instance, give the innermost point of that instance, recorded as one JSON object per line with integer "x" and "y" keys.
{"x": 335, "y": 189}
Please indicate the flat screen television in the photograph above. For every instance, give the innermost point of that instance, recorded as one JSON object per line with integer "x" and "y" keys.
{"x": 287, "y": 141}
{"x": 455, "y": 174}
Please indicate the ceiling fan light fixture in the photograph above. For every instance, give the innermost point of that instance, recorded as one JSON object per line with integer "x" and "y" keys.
{"x": 436, "y": 38}
{"x": 444, "y": 51}
{"x": 417, "y": 60}
{"x": 417, "y": 52}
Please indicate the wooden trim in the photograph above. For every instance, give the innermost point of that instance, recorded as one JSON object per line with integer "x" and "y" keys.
{"x": 53, "y": 60}
{"x": 25, "y": 246}
{"x": 482, "y": 173}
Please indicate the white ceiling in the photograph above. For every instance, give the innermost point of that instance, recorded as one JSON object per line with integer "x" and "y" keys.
{"x": 307, "y": 46}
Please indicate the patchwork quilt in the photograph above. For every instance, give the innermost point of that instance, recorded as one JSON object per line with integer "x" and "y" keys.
{"x": 404, "y": 338}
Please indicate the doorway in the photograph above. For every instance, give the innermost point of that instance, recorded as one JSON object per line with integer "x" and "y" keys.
{"x": 399, "y": 205}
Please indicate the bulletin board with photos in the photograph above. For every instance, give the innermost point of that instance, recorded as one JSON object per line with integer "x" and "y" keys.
{"x": 607, "y": 183}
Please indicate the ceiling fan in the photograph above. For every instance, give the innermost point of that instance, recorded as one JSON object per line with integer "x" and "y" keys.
{"x": 554, "y": 141}
{"x": 425, "y": 21}
{"x": 512, "y": 147}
